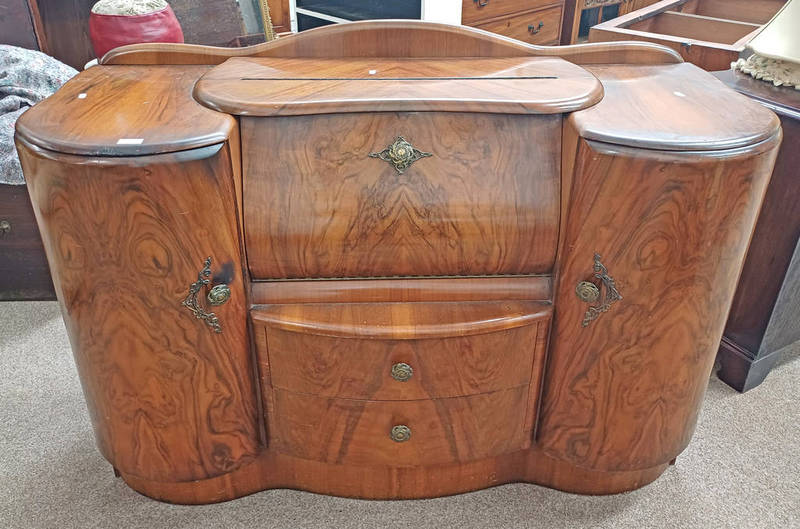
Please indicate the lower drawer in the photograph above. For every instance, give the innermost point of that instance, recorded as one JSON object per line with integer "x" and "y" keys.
{"x": 535, "y": 27}
{"x": 358, "y": 432}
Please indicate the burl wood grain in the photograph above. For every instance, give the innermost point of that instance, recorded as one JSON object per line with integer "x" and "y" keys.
{"x": 125, "y": 237}
{"x": 283, "y": 87}
{"x": 447, "y": 363}
{"x": 623, "y": 393}
{"x": 357, "y": 432}
{"x": 395, "y": 38}
{"x": 485, "y": 203}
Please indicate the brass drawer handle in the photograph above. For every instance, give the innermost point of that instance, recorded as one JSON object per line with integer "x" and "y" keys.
{"x": 401, "y": 433}
{"x": 533, "y": 30}
{"x": 218, "y": 295}
{"x": 589, "y": 292}
{"x": 400, "y": 154}
{"x": 402, "y": 372}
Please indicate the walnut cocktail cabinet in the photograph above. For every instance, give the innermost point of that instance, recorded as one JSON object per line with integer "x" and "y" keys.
{"x": 394, "y": 259}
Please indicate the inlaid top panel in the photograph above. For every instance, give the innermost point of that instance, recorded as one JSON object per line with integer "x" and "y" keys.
{"x": 280, "y": 87}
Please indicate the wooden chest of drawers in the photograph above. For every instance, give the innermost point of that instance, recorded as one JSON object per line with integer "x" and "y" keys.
{"x": 394, "y": 259}
{"x": 532, "y": 21}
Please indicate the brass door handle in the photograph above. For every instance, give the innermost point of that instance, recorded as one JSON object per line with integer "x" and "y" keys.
{"x": 533, "y": 30}
{"x": 402, "y": 372}
{"x": 218, "y": 295}
{"x": 589, "y": 292}
{"x": 400, "y": 433}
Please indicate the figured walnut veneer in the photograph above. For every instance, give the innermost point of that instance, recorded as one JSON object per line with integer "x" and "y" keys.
{"x": 369, "y": 304}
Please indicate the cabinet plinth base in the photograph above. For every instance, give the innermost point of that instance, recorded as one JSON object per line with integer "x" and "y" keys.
{"x": 276, "y": 471}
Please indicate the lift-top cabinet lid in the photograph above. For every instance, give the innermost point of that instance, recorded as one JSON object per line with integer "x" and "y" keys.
{"x": 260, "y": 86}
{"x": 125, "y": 111}
{"x": 672, "y": 107}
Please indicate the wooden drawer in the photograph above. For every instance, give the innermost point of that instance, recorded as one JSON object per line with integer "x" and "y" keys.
{"x": 360, "y": 351}
{"x": 486, "y": 202}
{"x": 535, "y": 27}
{"x": 476, "y": 11}
{"x": 358, "y": 432}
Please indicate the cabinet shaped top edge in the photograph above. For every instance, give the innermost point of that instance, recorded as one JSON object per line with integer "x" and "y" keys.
{"x": 298, "y": 86}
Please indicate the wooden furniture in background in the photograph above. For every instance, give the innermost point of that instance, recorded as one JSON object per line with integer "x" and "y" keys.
{"x": 708, "y": 33}
{"x": 21, "y": 25}
{"x": 580, "y": 15}
{"x": 24, "y": 274}
{"x": 765, "y": 315}
{"x": 532, "y": 21}
{"x": 508, "y": 268}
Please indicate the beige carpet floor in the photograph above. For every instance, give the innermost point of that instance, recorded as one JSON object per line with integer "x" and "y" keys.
{"x": 741, "y": 470}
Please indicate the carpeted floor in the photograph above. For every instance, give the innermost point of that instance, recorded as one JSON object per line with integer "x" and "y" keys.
{"x": 741, "y": 470}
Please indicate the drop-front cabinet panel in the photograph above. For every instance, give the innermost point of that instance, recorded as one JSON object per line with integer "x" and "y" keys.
{"x": 427, "y": 275}
{"x": 485, "y": 202}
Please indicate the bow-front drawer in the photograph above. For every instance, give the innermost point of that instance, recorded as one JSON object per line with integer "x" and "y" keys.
{"x": 407, "y": 433}
{"x": 402, "y": 351}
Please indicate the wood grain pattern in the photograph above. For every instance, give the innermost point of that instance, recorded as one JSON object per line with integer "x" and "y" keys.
{"x": 125, "y": 237}
{"x": 284, "y": 87}
{"x": 484, "y": 204}
{"x": 624, "y": 392}
{"x": 354, "y": 432}
{"x": 402, "y": 290}
{"x": 395, "y": 39}
{"x": 447, "y": 365}
{"x": 753, "y": 11}
{"x": 276, "y": 470}
{"x": 150, "y": 104}
{"x": 676, "y": 107}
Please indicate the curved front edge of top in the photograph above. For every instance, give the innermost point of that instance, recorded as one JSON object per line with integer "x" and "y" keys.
{"x": 125, "y": 111}
{"x": 676, "y": 107}
{"x": 260, "y": 86}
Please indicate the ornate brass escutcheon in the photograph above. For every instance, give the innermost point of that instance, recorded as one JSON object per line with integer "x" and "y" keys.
{"x": 400, "y": 154}
{"x": 218, "y": 295}
{"x": 589, "y": 292}
{"x": 402, "y": 372}
{"x": 401, "y": 433}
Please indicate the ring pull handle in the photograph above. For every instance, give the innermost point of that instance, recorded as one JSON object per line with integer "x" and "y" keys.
{"x": 589, "y": 292}
{"x": 533, "y": 30}
{"x": 217, "y": 295}
{"x": 5, "y": 227}
{"x": 481, "y": 3}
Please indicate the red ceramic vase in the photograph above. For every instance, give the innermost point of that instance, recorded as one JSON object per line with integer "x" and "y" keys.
{"x": 110, "y": 31}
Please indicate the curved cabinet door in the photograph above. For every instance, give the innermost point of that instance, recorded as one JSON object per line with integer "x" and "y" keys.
{"x": 170, "y": 398}
{"x": 624, "y": 388}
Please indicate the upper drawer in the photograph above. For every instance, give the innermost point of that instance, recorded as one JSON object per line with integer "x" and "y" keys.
{"x": 401, "y": 351}
{"x": 319, "y": 202}
{"x": 477, "y": 11}
{"x": 537, "y": 27}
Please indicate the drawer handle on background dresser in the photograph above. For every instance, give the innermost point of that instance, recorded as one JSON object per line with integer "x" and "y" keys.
{"x": 402, "y": 372}
{"x": 218, "y": 295}
{"x": 401, "y": 433}
{"x": 533, "y": 30}
{"x": 400, "y": 154}
{"x": 481, "y": 3}
{"x": 588, "y": 292}
{"x": 5, "y": 227}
